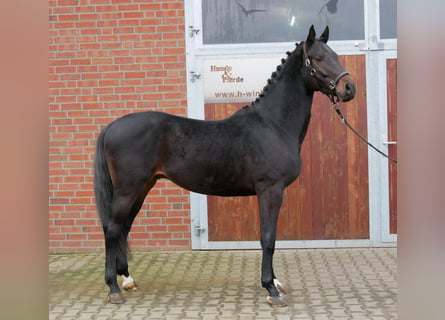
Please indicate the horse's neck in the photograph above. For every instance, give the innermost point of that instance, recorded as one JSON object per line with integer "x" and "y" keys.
{"x": 287, "y": 102}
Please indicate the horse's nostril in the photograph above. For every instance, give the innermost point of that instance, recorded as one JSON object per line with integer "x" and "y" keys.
{"x": 350, "y": 89}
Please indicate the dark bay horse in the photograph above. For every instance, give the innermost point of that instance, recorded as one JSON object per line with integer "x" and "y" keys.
{"x": 256, "y": 151}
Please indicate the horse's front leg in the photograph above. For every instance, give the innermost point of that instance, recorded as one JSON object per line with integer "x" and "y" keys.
{"x": 270, "y": 203}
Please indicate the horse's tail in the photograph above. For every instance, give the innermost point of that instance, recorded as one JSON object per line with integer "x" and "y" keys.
{"x": 103, "y": 187}
{"x": 103, "y": 191}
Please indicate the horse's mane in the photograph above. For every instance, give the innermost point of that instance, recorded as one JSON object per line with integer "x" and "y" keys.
{"x": 277, "y": 75}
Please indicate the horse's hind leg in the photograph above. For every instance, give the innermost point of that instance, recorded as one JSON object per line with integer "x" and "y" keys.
{"x": 115, "y": 245}
{"x": 125, "y": 206}
{"x": 128, "y": 282}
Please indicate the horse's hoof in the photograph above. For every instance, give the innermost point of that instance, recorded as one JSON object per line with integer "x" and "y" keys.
{"x": 279, "y": 286}
{"x": 116, "y": 298}
{"x": 276, "y": 301}
{"x": 129, "y": 283}
{"x": 131, "y": 286}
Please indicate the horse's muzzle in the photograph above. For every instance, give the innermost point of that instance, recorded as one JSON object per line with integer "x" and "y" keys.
{"x": 345, "y": 89}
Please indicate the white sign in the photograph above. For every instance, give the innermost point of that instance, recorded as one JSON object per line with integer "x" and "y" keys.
{"x": 236, "y": 80}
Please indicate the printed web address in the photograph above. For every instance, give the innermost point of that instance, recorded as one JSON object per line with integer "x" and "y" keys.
{"x": 237, "y": 94}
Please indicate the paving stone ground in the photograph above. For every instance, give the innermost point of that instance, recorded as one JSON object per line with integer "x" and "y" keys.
{"x": 359, "y": 283}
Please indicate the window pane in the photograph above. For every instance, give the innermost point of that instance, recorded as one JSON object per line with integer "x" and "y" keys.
{"x": 256, "y": 21}
{"x": 388, "y": 19}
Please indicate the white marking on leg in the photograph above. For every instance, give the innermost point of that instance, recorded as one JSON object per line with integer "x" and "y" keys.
{"x": 279, "y": 286}
{"x": 128, "y": 283}
{"x": 277, "y": 283}
{"x": 126, "y": 280}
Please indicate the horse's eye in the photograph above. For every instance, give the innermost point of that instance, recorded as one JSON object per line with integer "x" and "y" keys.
{"x": 318, "y": 58}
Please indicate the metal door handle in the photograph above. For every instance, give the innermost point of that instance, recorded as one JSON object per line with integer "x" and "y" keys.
{"x": 389, "y": 142}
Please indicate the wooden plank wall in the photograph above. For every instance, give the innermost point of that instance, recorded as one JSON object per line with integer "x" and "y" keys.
{"x": 330, "y": 198}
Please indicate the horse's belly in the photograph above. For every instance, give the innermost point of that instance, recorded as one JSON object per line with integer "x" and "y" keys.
{"x": 224, "y": 192}
{"x": 214, "y": 184}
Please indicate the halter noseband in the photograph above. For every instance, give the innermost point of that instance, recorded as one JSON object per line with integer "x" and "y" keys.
{"x": 312, "y": 71}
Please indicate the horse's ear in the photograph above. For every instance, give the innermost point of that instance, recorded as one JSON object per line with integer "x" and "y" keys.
{"x": 310, "y": 37}
{"x": 325, "y": 35}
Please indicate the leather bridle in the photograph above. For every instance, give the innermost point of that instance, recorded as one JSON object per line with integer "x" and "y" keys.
{"x": 313, "y": 72}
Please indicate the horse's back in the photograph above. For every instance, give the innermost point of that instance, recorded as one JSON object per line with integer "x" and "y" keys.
{"x": 135, "y": 124}
{"x": 141, "y": 132}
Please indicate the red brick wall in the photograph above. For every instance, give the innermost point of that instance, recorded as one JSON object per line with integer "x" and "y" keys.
{"x": 108, "y": 58}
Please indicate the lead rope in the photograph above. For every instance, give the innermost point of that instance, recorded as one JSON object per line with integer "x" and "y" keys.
{"x": 343, "y": 119}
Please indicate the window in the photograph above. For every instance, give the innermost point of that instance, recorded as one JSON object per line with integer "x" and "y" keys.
{"x": 388, "y": 19}
{"x": 257, "y": 21}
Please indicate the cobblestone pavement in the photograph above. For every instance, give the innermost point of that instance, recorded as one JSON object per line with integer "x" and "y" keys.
{"x": 320, "y": 283}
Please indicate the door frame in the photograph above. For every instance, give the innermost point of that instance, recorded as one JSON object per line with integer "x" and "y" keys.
{"x": 383, "y": 106}
{"x": 374, "y": 51}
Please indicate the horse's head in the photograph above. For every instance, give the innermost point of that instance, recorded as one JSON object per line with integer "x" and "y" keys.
{"x": 322, "y": 71}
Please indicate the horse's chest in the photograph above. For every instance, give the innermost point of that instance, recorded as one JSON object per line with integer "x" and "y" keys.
{"x": 276, "y": 161}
